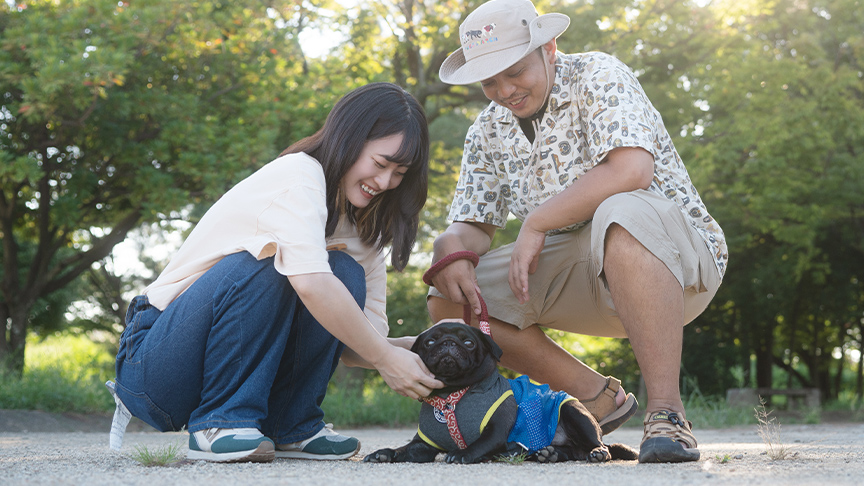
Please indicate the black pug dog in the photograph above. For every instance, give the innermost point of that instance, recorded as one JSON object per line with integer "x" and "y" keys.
{"x": 462, "y": 356}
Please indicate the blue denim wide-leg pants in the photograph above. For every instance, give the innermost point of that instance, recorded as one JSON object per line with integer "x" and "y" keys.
{"x": 237, "y": 349}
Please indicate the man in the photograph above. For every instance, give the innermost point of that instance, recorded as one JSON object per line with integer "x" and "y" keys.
{"x": 615, "y": 240}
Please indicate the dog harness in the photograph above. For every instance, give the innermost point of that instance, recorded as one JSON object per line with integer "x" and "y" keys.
{"x": 477, "y": 404}
{"x": 536, "y": 420}
{"x": 447, "y": 406}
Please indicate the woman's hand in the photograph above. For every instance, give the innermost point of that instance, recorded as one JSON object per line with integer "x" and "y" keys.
{"x": 405, "y": 373}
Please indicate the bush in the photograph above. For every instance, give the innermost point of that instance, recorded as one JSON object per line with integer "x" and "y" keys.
{"x": 62, "y": 373}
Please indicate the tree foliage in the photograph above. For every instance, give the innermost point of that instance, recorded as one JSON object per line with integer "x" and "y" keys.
{"x": 102, "y": 103}
{"x": 116, "y": 114}
{"x": 782, "y": 151}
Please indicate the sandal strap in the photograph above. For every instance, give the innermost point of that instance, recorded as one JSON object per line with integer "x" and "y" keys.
{"x": 664, "y": 423}
{"x": 604, "y": 403}
{"x": 610, "y": 390}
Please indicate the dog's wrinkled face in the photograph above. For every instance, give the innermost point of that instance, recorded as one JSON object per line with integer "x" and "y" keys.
{"x": 457, "y": 354}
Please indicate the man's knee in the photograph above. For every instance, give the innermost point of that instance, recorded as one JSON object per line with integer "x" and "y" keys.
{"x": 619, "y": 239}
{"x": 350, "y": 273}
{"x": 440, "y": 308}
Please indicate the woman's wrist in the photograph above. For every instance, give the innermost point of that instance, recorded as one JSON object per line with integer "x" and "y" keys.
{"x": 404, "y": 342}
{"x": 377, "y": 354}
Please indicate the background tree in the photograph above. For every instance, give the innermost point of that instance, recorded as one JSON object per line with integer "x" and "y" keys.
{"x": 119, "y": 114}
{"x": 763, "y": 99}
{"x": 781, "y": 148}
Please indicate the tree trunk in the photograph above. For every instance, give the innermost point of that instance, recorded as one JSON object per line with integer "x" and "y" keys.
{"x": 746, "y": 348}
{"x": 763, "y": 345}
{"x": 859, "y": 383}
{"x": 837, "y": 381}
{"x": 44, "y": 277}
{"x": 12, "y": 351}
{"x": 764, "y": 363}
{"x": 4, "y": 339}
{"x": 814, "y": 363}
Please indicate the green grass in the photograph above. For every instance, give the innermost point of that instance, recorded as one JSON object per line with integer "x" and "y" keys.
{"x": 372, "y": 404}
{"x": 61, "y": 374}
{"x": 66, "y": 373}
{"x": 714, "y": 413}
{"x": 512, "y": 459}
{"x": 769, "y": 431}
{"x": 848, "y": 403}
{"x": 165, "y": 455}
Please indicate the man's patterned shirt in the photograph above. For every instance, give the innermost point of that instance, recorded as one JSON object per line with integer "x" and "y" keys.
{"x": 596, "y": 105}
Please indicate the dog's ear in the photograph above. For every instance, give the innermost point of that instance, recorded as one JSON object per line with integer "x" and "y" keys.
{"x": 490, "y": 343}
{"x": 417, "y": 343}
{"x": 493, "y": 347}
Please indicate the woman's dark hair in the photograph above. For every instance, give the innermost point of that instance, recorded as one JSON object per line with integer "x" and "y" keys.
{"x": 372, "y": 112}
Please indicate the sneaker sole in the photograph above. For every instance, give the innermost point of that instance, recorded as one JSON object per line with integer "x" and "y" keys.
{"x": 664, "y": 449}
{"x": 316, "y": 457}
{"x": 263, "y": 453}
{"x": 618, "y": 417}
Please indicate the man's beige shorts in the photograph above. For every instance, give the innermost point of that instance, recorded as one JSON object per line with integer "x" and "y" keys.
{"x": 569, "y": 292}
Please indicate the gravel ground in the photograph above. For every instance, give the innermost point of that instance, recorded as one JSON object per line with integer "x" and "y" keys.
{"x": 37, "y": 448}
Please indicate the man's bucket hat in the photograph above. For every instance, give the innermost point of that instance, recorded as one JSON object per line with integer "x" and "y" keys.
{"x": 496, "y": 36}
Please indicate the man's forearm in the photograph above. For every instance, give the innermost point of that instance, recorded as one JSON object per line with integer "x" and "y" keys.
{"x": 463, "y": 236}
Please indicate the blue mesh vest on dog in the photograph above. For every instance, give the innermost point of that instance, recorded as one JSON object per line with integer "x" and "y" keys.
{"x": 538, "y": 413}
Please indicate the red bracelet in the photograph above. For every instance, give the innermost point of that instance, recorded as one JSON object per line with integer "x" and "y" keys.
{"x": 467, "y": 312}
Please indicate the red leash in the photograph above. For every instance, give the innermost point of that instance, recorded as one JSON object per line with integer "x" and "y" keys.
{"x": 468, "y": 313}
{"x": 447, "y": 406}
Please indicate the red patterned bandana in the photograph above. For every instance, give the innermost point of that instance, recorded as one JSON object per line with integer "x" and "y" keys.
{"x": 447, "y": 406}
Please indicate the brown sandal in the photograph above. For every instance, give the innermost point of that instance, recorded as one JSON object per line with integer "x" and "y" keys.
{"x": 606, "y": 412}
{"x": 667, "y": 438}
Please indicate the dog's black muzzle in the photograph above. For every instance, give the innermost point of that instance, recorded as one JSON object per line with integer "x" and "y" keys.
{"x": 448, "y": 357}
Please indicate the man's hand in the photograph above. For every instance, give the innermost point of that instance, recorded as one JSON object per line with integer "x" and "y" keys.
{"x": 524, "y": 259}
{"x": 457, "y": 282}
{"x": 624, "y": 169}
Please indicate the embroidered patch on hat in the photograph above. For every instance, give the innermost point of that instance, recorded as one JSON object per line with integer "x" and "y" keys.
{"x": 478, "y": 37}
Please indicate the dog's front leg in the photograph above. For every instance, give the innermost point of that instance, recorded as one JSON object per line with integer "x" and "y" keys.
{"x": 415, "y": 451}
{"x": 493, "y": 439}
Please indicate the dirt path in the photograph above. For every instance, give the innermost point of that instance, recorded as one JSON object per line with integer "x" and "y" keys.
{"x": 71, "y": 452}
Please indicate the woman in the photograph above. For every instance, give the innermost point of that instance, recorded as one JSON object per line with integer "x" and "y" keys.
{"x": 238, "y": 337}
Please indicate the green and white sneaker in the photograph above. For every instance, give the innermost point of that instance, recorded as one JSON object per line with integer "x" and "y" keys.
{"x": 326, "y": 445}
{"x": 230, "y": 445}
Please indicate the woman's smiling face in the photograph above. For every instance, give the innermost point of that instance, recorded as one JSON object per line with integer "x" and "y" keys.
{"x": 373, "y": 172}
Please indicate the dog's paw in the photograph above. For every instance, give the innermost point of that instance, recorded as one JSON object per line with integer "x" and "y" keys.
{"x": 458, "y": 457}
{"x": 547, "y": 455}
{"x": 599, "y": 454}
{"x": 382, "y": 455}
